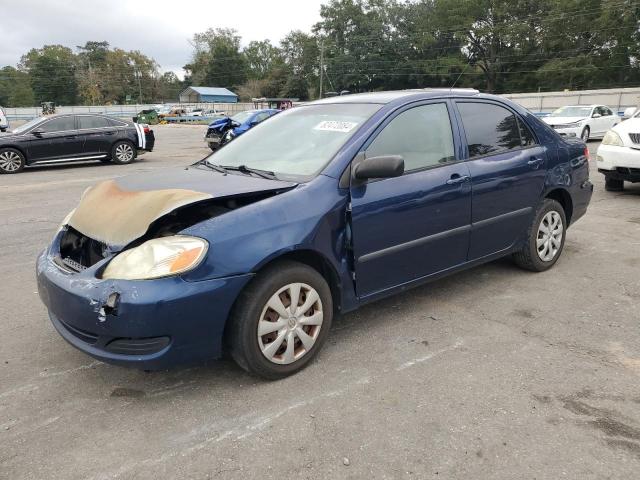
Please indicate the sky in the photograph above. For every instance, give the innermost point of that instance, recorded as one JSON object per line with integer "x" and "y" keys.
{"x": 160, "y": 29}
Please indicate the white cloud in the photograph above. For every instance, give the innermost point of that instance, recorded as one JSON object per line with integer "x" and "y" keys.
{"x": 160, "y": 29}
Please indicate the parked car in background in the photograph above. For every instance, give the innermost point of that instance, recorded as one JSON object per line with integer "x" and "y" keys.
{"x": 321, "y": 209}
{"x": 72, "y": 138}
{"x": 4, "y": 122}
{"x": 618, "y": 156}
{"x": 223, "y": 130}
{"x": 211, "y": 112}
{"x": 584, "y": 121}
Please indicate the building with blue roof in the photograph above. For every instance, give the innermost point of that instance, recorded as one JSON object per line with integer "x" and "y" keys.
{"x": 207, "y": 95}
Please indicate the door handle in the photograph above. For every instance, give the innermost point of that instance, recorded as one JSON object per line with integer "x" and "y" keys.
{"x": 71, "y": 137}
{"x": 457, "y": 179}
{"x": 535, "y": 162}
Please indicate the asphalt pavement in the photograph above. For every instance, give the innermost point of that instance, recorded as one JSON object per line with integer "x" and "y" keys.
{"x": 493, "y": 373}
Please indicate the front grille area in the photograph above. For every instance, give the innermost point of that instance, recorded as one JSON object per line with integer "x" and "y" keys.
{"x": 635, "y": 137}
{"x": 78, "y": 252}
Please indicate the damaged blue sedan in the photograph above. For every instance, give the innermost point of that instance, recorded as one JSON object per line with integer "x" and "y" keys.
{"x": 324, "y": 208}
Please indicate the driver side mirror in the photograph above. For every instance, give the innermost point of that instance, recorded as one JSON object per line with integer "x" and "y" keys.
{"x": 385, "y": 166}
{"x": 37, "y": 132}
{"x": 596, "y": 115}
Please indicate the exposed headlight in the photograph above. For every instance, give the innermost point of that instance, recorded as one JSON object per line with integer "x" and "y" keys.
{"x": 159, "y": 257}
{"x": 612, "y": 138}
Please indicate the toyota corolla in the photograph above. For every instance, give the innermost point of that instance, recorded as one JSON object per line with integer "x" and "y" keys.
{"x": 324, "y": 208}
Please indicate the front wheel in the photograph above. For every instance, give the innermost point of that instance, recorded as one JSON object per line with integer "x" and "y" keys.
{"x": 545, "y": 238}
{"x": 11, "y": 160}
{"x": 281, "y": 320}
{"x": 123, "y": 152}
{"x": 585, "y": 134}
{"x": 613, "y": 184}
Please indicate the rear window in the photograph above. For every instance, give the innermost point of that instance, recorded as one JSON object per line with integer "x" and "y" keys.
{"x": 490, "y": 129}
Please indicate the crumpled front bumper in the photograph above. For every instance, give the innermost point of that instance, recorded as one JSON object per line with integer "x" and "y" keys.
{"x": 149, "y": 324}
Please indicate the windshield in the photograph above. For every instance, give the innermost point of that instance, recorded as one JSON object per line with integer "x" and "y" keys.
{"x": 298, "y": 142}
{"x": 242, "y": 116}
{"x": 572, "y": 112}
{"x": 27, "y": 126}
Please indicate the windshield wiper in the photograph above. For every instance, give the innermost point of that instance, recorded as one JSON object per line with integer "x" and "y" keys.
{"x": 212, "y": 166}
{"x": 244, "y": 169}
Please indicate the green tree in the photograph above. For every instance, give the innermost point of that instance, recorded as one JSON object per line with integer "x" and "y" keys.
{"x": 261, "y": 58}
{"x": 52, "y": 71}
{"x": 15, "y": 88}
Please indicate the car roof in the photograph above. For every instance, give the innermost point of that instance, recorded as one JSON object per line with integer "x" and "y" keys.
{"x": 390, "y": 96}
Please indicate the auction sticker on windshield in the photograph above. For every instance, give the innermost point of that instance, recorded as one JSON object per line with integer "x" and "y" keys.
{"x": 335, "y": 126}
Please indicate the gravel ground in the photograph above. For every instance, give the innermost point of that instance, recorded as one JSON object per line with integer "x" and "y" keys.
{"x": 491, "y": 373}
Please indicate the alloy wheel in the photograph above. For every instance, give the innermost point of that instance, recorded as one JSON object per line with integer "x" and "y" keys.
{"x": 549, "y": 238}
{"x": 290, "y": 323}
{"x": 124, "y": 152}
{"x": 10, "y": 161}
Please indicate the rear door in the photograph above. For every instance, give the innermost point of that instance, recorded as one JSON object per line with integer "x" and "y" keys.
{"x": 96, "y": 133}
{"x": 57, "y": 141}
{"x": 508, "y": 170}
{"x": 411, "y": 226}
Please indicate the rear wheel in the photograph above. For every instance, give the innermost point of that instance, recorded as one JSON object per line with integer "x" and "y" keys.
{"x": 613, "y": 184}
{"x": 281, "y": 320}
{"x": 11, "y": 160}
{"x": 545, "y": 238}
{"x": 123, "y": 152}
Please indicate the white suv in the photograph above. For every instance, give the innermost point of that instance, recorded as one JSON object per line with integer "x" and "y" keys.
{"x": 618, "y": 156}
{"x": 584, "y": 121}
{"x": 4, "y": 123}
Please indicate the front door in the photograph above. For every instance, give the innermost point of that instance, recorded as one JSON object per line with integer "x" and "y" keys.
{"x": 57, "y": 140}
{"x": 508, "y": 171}
{"x": 415, "y": 225}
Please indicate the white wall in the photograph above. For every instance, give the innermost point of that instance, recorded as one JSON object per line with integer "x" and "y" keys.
{"x": 128, "y": 111}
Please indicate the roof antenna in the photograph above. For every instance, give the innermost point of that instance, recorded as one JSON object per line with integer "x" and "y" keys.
{"x": 463, "y": 70}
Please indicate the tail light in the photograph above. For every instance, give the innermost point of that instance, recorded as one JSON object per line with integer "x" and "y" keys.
{"x": 146, "y": 129}
{"x": 587, "y": 154}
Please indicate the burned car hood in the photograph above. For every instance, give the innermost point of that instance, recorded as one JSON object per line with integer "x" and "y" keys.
{"x": 119, "y": 211}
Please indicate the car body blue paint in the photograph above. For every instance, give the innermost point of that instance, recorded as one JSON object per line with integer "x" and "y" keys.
{"x": 220, "y": 123}
{"x": 370, "y": 234}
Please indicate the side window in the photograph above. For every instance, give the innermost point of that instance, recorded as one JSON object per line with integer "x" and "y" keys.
{"x": 92, "y": 122}
{"x": 490, "y": 129}
{"x": 260, "y": 117}
{"x": 525, "y": 134}
{"x": 116, "y": 123}
{"x": 607, "y": 111}
{"x": 421, "y": 135}
{"x": 60, "y": 124}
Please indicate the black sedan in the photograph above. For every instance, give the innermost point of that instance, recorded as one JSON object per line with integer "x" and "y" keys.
{"x": 71, "y": 138}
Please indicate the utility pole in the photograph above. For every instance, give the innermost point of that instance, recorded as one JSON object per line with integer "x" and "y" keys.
{"x": 321, "y": 65}
{"x": 138, "y": 75}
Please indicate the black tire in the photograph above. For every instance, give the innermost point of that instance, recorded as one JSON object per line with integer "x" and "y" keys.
{"x": 528, "y": 258}
{"x": 586, "y": 132}
{"x": 242, "y": 331}
{"x": 123, "y": 146}
{"x": 11, "y": 160}
{"x": 613, "y": 184}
